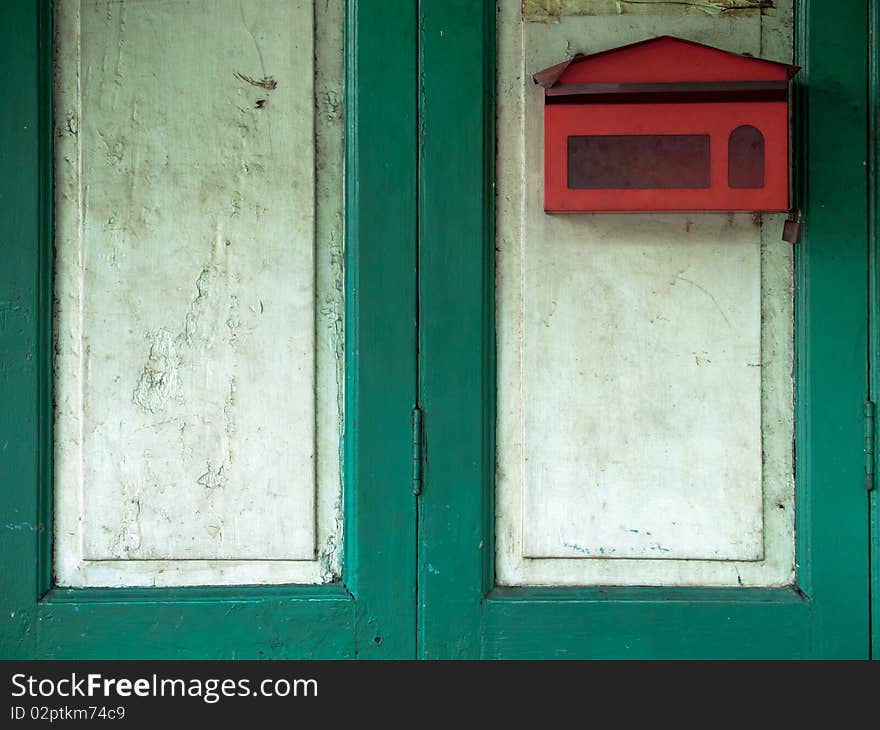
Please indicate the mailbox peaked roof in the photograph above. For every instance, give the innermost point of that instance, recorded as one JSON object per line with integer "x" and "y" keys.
{"x": 662, "y": 60}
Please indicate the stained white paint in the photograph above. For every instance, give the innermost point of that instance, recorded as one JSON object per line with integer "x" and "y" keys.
{"x": 645, "y": 361}
{"x": 650, "y": 444}
{"x": 199, "y": 323}
{"x": 549, "y": 11}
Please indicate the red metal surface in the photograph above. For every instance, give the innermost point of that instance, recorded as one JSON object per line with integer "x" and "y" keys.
{"x": 716, "y": 120}
{"x": 662, "y": 59}
{"x": 668, "y": 62}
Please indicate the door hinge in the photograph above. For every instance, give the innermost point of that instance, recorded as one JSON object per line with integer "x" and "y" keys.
{"x": 417, "y": 455}
{"x": 869, "y": 445}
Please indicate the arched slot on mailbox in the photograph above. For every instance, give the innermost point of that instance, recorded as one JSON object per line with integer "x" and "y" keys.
{"x": 745, "y": 158}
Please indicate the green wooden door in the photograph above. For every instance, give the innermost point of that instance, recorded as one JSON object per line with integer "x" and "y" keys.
{"x": 463, "y": 611}
{"x": 419, "y": 575}
{"x": 370, "y": 612}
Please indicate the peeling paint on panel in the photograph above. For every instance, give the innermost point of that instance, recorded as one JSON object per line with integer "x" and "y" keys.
{"x": 553, "y": 10}
{"x": 199, "y": 292}
{"x": 329, "y": 113}
{"x": 158, "y": 382}
{"x": 267, "y": 82}
{"x": 330, "y": 557}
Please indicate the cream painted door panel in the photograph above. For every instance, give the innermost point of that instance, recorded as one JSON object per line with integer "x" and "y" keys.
{"x": 644, "y": 360}
{"x": 198, "y": 317}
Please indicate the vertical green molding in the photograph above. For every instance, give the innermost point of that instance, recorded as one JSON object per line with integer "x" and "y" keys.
{"x": 22, "y": 296}
{"x": 800, "y": 173}
{"x": 874, "y": 316}
{"x": 832, "y": 325}
{"x": 456, "y": 327}
{"x": 380, "y": 509}
{"x": 46, "y": 295}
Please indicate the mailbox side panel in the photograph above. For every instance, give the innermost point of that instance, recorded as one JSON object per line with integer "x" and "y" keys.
{"x": 648, "y": 126}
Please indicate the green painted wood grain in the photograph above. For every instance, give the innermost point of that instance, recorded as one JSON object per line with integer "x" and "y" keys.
{"x": 301, "y": 622}
{"x": 874, "y": 319}
{"x": 456, "y": 304}
{"x": 46, "y": 294}
{"x": 20, "y": 332}
{"x": 831, "y": 324}
{"x": 649, "y": 624}
{"x": 380, "y": 508}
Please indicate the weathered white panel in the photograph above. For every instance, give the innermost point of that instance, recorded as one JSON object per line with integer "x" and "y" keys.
{"x": 198, "y": 415}
{"x": 641, "y": 389}
{"x": 645, "y": 361}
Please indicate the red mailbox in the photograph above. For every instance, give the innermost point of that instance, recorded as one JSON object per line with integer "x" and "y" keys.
{"x": 666, "y": 124}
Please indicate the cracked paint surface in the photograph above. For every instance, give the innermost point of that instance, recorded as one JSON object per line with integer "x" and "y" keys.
{"x": 199, "y": 291}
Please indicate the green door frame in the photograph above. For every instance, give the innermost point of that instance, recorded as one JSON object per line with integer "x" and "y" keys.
{"x": 372, "y": 613}
{"x": 461, "y": 612}
{"x": 874, "y": 317}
